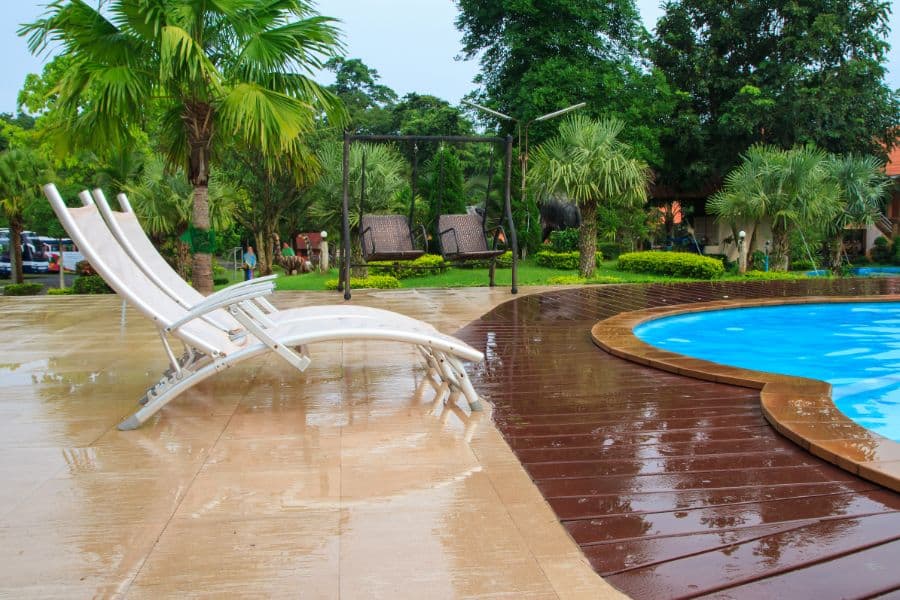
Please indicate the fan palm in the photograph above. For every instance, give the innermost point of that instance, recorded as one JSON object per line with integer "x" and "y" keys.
{"x": 21, "y": 175}
{"x": 162, "y": 202}
{"x": 789, "y": 187}
{"x": 862, "y": 191}
{"x": 591, "y": 166}
{"x": 215, "y": 70}
{"x": 385, "y": 183}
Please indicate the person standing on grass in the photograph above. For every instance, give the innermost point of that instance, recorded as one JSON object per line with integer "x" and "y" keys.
{"x": 249, "y": 263}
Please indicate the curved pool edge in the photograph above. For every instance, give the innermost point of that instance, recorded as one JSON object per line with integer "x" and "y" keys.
{"x": 799, "y": 408}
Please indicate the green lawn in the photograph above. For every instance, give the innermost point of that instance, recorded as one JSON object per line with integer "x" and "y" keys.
{"x": 529, "y": 274}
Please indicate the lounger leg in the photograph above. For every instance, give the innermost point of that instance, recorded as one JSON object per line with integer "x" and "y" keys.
{"x": 190, "y": 379}
{"x": 464, "y": 383}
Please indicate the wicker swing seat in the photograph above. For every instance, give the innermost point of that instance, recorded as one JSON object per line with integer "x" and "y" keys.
{"x": 388, "y": 237}
{"x": 463, "y": 237}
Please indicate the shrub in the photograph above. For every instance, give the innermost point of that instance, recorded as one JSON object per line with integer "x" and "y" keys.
{"x": 801, "y": 265}
{"x": 59, "y": 291}
{"x": 427, "y": 264}
{"x": 566, "y": 280}
{"x": 677, "y": 264}
{"x": 882, "y": 250}
{"x": 23, "y": 289}
{"x": 604, "y": 279}
{"x": 504, "y": 261}
{"x": 758, "y": 260}
{"x": 83, "y": 267}
{"x": 610, "y": 250}
{"x": 564, "y": 240}
{"x": 90, "y": 284}
{"x": 772, "y": 275}
{"x": 384, "y": 282}
{"x": 562, "y": 260}
{"x": 221, "y": 281}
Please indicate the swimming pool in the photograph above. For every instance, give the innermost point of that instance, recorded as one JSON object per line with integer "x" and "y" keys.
{"x": 853, "y": 346}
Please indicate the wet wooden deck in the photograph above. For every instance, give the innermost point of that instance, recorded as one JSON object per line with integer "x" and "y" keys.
{"x": 675, "y": 487}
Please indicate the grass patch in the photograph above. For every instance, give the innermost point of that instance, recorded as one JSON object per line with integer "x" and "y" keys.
{"x": 530, "y": 273}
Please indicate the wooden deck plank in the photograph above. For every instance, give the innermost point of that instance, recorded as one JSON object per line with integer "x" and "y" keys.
{"x": 676, "y": 487}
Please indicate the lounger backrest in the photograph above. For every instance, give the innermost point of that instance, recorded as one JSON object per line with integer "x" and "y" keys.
{"x": 388, "y": 233}
{"x": 461, "y": 234}
{"x": 128, "y": 232}
{"x": 90, "y": 233}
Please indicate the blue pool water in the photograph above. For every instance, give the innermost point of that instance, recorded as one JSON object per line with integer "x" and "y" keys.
{"x": 854, "y": 346}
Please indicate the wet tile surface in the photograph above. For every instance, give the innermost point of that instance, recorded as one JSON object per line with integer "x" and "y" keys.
{"x": 676, "y": 487}
{"x": 345, "y": 481}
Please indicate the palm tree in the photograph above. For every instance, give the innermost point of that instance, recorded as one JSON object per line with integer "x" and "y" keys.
{"x": 862, "y": 191}
{"x": 588, "y": 163}
{"x": 789, "y": 187}
{"x": 162, "y": 202}
{"x": 22, "y": 173}
{"x": 215, "y": 71}
{"x": 385, "y": 184}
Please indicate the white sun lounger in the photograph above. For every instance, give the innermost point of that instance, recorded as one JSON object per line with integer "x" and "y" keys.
{"x": 209, "y": 348}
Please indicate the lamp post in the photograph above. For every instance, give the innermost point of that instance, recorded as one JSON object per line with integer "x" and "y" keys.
{"x": 523, "y": 132}
{"x": 742, "y": 264}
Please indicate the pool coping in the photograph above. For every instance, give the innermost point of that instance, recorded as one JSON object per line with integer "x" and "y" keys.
{"x": 799, "y": 408}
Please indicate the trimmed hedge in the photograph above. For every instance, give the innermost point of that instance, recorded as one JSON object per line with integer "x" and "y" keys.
{"x": 562, "y": 260}
{"x": 90, "y": 284}
{"x": 59, "y": 291}
{"x": 23, "y": 289}
{"x": 773, "y": 275}
{"x": 610, "y": 250}
{"x": 676, "y": 264}
{"x": 564, "y": 240}
{"x": 504, "y": 261}
{"x": 384, "y": 282}
{"x": 566, "y": 280}
{"x": 427, "y": 264}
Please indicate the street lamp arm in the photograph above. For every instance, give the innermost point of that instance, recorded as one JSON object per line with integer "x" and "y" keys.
{"x": 560, "y": 112}
{"x": 489, "y": 110}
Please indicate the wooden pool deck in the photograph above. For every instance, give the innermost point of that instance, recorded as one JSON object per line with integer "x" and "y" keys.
{"x": 675, "y": 487}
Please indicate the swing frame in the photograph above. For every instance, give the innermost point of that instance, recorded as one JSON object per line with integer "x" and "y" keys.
{"x": 349, "y": 139}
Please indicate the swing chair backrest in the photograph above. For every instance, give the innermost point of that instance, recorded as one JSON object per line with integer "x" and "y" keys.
{"x": 387, "y": 237}
{"x": 463, "y": 236}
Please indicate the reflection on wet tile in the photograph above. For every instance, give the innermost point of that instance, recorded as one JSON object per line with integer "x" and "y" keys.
{"x": 346, "y": 479}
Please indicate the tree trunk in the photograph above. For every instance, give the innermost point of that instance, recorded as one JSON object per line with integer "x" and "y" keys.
{"x": 587, "y": 240}
{"x": 183, "y": 258}
{"x": 198, "y": 120}
{"x": 780, "y": 248}
{"x": 837, "y": 248}
{"x": 264, "y": 253}
{"x": 202, "y": 264}
{"x": 15, "y": 249}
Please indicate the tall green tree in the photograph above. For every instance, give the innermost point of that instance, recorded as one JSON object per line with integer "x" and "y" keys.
{"x": 777, "y": 72}
{"x": 368, "y": 102}
{"x": 862, "y": 190}
{"x": 538, "y": 56}
{"x": 22, "y": 173}
{"x": 444, "y": 189}
{"x": 162, "y": 200}
{"x": 592, "y": 167}
{"x": 215, "y": 70}
{"x": 789, "y": 188}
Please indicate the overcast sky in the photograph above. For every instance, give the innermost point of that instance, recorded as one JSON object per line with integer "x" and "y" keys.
{"x": 411, "y": 43}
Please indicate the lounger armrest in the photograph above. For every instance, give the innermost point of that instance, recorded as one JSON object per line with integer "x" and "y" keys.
{"x": 237, "y": 288}
{"x": 224, "y": 299}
